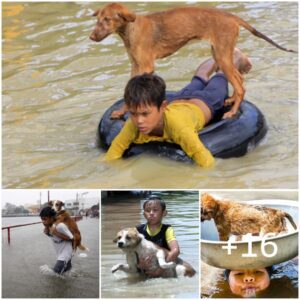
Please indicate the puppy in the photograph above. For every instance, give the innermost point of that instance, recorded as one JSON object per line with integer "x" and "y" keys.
{"x": 158, "y": 35}
{"x": 236, "y": 218}
{"x": 136, "y": 247}
{"x": 64, "y": 217}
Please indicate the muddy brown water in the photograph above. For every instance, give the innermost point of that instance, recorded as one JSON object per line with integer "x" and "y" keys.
{"x": 57, "y": 84}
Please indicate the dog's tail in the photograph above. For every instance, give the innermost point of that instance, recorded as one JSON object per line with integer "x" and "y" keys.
{"x": 261, "y": 35}
{"x": 83, "y": 248}
{"x": 289, "y": 217}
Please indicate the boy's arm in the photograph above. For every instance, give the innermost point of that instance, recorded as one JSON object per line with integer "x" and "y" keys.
{"x": 190, "y": 143}
{"x": 173, "y": 245}
{"x": 122, "y": 141}
{"x": 62, "y": 231}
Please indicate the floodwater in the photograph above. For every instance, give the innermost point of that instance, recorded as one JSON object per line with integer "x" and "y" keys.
{"x": 284, "y": 281}
{"x": 126, "y": 211}
{"x": 57, "y": 84}
{"x": 30, "y": 249}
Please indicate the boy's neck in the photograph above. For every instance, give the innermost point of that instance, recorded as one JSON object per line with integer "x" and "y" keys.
{"x": 159, "y": 129}
{"x": 155, "y": 227}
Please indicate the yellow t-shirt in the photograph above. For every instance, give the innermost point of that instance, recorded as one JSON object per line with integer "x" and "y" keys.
{"x": 182, "y": 122}
{"x": 169, "y": 235}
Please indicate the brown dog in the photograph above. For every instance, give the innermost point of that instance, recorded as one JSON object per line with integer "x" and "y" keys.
{"x": 64, "y": 217}
{"x": 236, "y": 218}
{"x": 158, "y": 35}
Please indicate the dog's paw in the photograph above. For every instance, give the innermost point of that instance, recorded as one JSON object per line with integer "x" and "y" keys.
{"x": 116, "y": 268}
{"x": 168, "y": 265}
{"x": 117, "y": 114}
{"x": 229, "y": 114}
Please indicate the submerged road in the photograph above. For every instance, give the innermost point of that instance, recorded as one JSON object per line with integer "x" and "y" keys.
{"x": 30, "y": 249}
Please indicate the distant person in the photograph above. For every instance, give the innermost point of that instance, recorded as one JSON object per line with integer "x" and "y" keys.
{"x": 61, "y": 237}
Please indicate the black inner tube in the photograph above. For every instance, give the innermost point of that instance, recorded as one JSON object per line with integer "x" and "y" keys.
{"x": 227, "y": 138}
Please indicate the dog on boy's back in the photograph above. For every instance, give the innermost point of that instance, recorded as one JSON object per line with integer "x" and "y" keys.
{"x": 237, "y": 218}
{"x": 158, "y": 35}
{"x": 63, "y": 216}
{"x": 136, "y": 248}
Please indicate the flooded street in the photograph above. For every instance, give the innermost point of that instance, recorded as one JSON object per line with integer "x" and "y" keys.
{"x": 56, "y": 85}
{"x": 126, "y": 211}
{"x": 30, "y": 249}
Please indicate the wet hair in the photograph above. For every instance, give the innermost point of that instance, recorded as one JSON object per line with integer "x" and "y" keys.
{"x": 47, "y": 212}
{"x": 269, "y": 270}
{"x": 147, "y": 89}
{"x": 157, "y": 200}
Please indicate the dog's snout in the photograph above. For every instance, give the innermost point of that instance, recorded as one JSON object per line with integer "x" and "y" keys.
{"x": 120, "y": 244}
{"x": 93, "y": 36}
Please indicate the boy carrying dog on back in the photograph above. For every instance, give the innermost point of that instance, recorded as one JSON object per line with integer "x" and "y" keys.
{"x": 62, "y": 239}
{"x": 161, "y": 234}
{"x": 178, "y": 120}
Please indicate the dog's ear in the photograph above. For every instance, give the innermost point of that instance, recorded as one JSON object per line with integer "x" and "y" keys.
{"x": 115, "y": 239}
{"x": 139, "y": 238}
{"x": 62, "y": 203}
{"x": 127, "y": 15}
{"x": 96, "y": 13}
{"x": 50, "y": 203}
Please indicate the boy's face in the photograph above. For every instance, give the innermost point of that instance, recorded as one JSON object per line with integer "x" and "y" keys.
{"x": 153, "y": 213}
{"x": 47, "y": 221}
{"x": 247, "y": 283}
{"x": 147, "y": 118}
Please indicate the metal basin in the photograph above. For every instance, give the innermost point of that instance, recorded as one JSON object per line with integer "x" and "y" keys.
{"x": 261, "y": 252}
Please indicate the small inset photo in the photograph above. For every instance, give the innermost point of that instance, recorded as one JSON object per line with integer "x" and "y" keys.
{"x": 50, "y": 243}
{"x": 150, "y": 244}
{"x": 249, "y": 244}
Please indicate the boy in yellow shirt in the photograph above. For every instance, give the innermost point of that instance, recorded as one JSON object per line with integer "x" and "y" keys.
{"x": 178, "y": 120}
{"x": 160, "y": 234}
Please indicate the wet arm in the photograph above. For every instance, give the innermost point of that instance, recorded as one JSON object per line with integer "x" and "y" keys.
{"x": 61, "y": 231}
{"x": 174, "y": 251}
{"x": 122, "y": 141}
{"x": 189, "y": 141}
{"x": 55, "y": 232}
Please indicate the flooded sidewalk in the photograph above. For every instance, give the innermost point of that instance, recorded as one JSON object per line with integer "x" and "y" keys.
{"x": 30, "y": 249}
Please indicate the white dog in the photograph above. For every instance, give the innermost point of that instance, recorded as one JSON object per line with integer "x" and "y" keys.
{"x": 137, "y": 248}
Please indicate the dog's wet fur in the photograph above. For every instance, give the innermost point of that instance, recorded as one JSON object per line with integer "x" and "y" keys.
{"x": 235, "y": 218}
{"x": 136, "y": 247}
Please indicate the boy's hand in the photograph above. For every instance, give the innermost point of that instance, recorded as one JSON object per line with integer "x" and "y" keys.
{"x": 47, "y": 230}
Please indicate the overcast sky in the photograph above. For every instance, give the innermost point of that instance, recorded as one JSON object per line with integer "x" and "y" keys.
{"x": 21, "y": 197}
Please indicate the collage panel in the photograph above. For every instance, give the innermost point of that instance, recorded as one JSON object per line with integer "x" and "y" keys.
{"x": 62, "y": 75}
{"x": 249, "y": 244}
{"x": 133, "y": 225}
{"x": 134, "y": 169}
{"x": 50, "y": 243}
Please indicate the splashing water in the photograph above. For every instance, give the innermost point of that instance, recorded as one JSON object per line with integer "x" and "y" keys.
{"x": 46, "y": 270}
{"x": 82, "y": 255}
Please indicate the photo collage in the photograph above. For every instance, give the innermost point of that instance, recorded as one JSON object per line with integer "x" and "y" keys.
{"x": 150, "y": 149}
